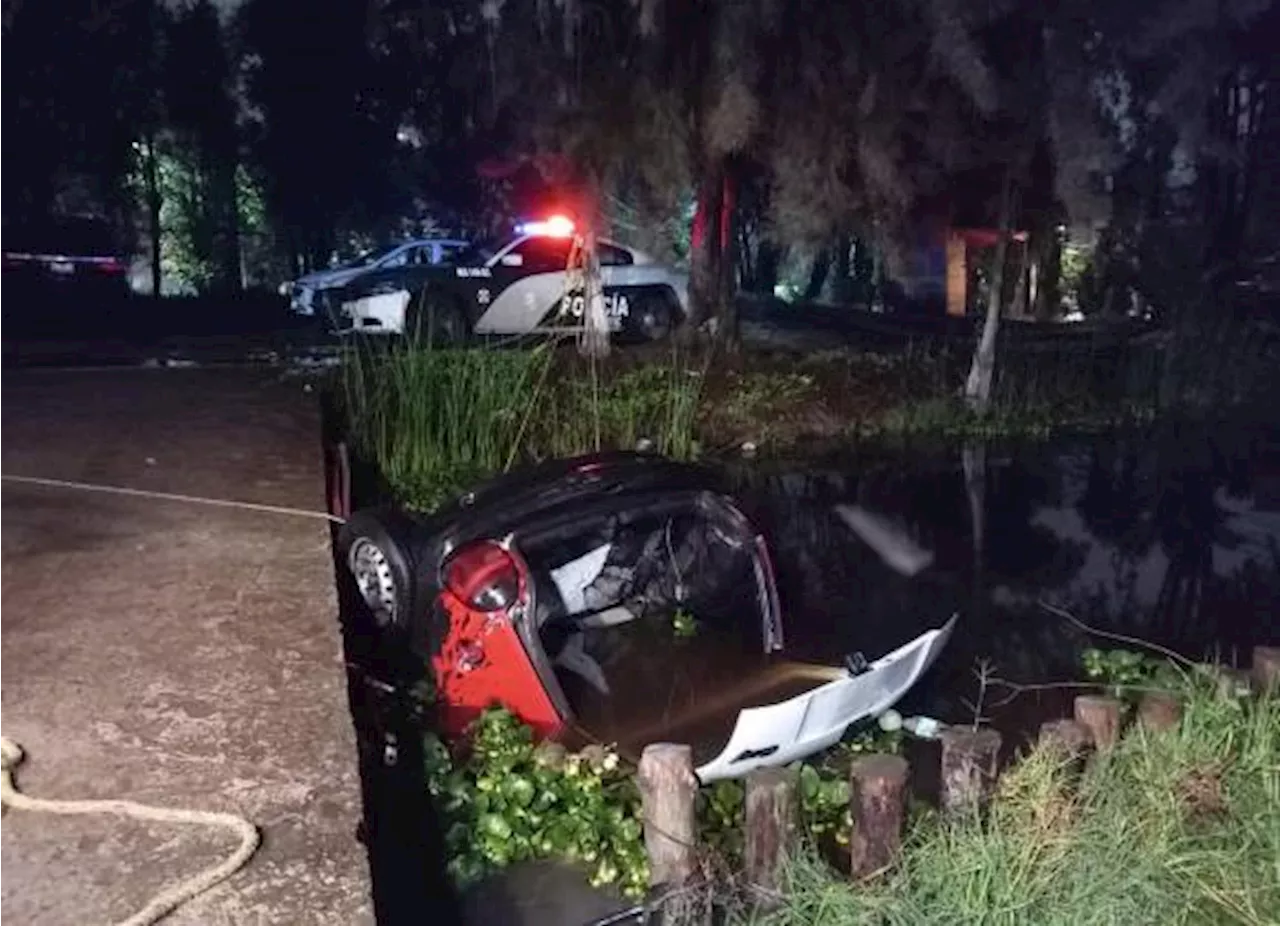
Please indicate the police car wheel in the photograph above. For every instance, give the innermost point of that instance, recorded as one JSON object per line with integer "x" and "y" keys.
{"x": 437, "y": 321}
{"x": 653, "y": 317}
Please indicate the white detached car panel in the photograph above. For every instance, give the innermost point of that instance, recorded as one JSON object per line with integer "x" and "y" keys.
{"x": 810, "y": 722}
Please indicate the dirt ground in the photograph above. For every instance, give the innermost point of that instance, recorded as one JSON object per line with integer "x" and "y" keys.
{"x": 173, "y": 653}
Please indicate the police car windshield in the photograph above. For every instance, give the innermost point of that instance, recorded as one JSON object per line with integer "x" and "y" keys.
{"x": 369, "y": 257}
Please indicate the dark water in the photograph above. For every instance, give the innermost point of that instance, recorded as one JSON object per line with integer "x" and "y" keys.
{"x": 1171, "y": 535}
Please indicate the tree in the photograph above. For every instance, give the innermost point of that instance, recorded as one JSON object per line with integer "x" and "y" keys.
{"x": 322, "y": 122}
{"x": 77, "y": 123}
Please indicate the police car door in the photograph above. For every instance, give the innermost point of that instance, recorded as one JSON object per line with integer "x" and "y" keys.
{"x": 524, "y": 286}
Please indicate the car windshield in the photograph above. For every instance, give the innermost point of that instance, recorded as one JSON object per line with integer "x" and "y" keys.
{"x": 478, "y": 252}
{"x": 369, "y": 257}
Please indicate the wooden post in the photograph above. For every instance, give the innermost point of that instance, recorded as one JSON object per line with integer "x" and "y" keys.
{"x": 1068, "y": 739}
{"x": 1266, "y": 668}
{"x": 1233, "y": 683}
{"x": 1101, "y": 717}
{"x": 968, "y": 767}
{"x": 668, "y": 789}
{"x": 1159, "y": 710}
{"x": 877, "y": 787}
{"x": 770, "y": 827}
{"x": 957, "y": 273}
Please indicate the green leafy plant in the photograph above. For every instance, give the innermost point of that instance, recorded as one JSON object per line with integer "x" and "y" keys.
{"x": 824, "y": 781}
{"x": 511, "y": 802}
{"x": 824, "y": 802}
{"x": 720, "y": 810}
{"x": 683, "y": 624}
{"x": 1125, "y": 673}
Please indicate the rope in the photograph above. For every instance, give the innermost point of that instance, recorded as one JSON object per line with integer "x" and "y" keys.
{"x": 171, "y": 897}
{"x": 171, "y": 497}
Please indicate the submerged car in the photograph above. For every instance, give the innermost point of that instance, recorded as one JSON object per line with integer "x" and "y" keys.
{"x": 618, "y": 598}
{"x": 517, "y": 286}
{"x": 321, "y": 291}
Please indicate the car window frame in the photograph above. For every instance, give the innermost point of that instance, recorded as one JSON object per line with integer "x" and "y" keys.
{"x": 386, "y": 262}
{"x": 604, "y": 247}
{"x": 531, "y": 240}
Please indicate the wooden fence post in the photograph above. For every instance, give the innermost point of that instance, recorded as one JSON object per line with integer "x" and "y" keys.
{"x": 668, "y": 790}
{"x": 1266, "y": 668}
{"x": 770, "y": 827}
{"x": 1101, "y": 717}
{"x": 877, "y": 784}
{"x": 1231, "y": 683}
{"x": 1159, "y": 710}
{"x": 968, "y": 767}
{"x": 1068, "y": 739}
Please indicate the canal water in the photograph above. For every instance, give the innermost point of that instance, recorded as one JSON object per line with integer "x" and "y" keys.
{"x": 1171, "y": 535}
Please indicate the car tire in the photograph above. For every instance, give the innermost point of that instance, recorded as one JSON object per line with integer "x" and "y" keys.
{"x": 373, "y": 548}
{"x": 436, "y": 320}
{"x": 654, "y": 318}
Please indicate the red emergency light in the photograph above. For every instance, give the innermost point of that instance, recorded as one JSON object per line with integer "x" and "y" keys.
{"x": 556, "y": 226}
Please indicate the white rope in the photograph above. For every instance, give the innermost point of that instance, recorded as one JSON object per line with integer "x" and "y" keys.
{"x": 171, "y": 497}
{"x": 171, "y": 897}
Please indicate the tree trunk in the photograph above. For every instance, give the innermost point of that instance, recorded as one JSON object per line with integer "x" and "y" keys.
{"x": 704, "y": 271}
{"x": 817, "y": 275}
{"x": 977, "y": 390}
{"x": 726, "y": 290}
{"x": 767, "y": 264}
{"x": 843, "y": 283}
{"x": 234, "y": 254}
{"x": 584, "y": 271}
{"x": 595, "y": 335}
{"x": 1049, "y": 292}
{"x": 151, "y": 177}
{"x": 1017, "y": 306}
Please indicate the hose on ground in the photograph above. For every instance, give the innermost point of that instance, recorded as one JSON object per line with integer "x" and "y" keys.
{"x": 171, "y": 897}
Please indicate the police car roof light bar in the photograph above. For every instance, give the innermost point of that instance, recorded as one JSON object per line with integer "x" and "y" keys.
{"x": 556, "y": 226}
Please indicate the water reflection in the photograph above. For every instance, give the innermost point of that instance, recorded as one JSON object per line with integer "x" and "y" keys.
{"x": 1171, "y": 535}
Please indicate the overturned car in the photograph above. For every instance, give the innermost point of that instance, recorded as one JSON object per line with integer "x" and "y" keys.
{"x": 619, "y": 598}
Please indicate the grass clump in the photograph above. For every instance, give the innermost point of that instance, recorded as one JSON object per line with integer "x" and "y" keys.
{"x": 1178, "y": 827}
{"x": 439, "y": 420}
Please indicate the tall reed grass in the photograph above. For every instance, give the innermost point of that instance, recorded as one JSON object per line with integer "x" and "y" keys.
{"x": 437, "y": 420}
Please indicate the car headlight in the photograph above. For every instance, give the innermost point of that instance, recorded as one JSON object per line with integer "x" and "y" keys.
{"x": 285, "y": 288}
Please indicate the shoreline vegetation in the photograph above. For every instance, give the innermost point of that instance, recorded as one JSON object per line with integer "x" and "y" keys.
{"x": 436, "y": 421}
{"x": 1174, "y": 820}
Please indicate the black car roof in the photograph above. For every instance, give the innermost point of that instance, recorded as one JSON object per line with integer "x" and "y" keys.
{"x": 514, "y": 497}
{"x": 504, "y": 503}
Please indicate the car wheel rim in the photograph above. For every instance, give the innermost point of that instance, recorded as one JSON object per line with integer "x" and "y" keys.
{"x": 375, "y": 579}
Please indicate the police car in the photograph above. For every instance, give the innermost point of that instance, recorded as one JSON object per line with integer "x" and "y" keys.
{"x": 516, "y": 287}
